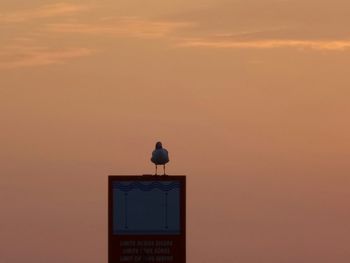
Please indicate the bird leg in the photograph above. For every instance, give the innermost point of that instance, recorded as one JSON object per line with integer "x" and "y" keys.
{"x": 164, "y": 169}
{"x": 156, "y": 170}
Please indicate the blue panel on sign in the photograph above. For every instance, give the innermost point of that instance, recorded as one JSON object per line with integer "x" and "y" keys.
{"x": 146, "y": 207}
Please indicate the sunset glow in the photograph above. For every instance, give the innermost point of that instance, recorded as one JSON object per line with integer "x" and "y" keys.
{"x": 250, "y": 97}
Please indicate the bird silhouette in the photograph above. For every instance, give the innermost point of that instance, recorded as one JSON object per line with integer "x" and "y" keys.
{"x": 160, "y": 156}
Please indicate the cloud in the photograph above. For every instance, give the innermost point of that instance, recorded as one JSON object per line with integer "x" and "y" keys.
{"x": 121, "y": 27}
{"x": 36, "y": 48}
{"x": 46, "y": 11}
{"x": 68, "y": 23}
{"x": 335, "y": 45}
{"x": 21, "y": 47}
{"x": 18, "y": 57}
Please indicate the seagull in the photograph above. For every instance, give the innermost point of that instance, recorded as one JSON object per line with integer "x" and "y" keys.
{"x": 160, "y": 156}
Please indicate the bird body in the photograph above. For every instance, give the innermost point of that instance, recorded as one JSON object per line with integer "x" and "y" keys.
{"x": 160, "y": 156}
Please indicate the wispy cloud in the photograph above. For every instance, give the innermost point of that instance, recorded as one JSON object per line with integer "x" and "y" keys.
{"x": 46, "y": 11}
{"x": 121, "y": 27}
{"x": 18, "y": 57}
{"x": 47, "y": 24}
{"x": 21, "y": 47}
{"x": 335, "y": 45}
{"x": 29, "y": 37}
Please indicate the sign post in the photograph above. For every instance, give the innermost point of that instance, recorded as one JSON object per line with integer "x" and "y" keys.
{"x": 147, "y": 219}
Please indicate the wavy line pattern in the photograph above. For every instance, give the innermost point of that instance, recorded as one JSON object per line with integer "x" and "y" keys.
{"x": 146, "y": 186}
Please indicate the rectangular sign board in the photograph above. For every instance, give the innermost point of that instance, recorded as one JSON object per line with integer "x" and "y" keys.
{"x": 146, "y": 219}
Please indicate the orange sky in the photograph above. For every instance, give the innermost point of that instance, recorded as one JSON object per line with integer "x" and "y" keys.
{"x": 250, "y": 97}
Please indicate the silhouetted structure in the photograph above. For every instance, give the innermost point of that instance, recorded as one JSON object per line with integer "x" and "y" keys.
{"x": 147, "y": 219}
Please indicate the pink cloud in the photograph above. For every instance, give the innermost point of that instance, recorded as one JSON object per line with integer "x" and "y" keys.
{"x": 121, "y": 27}
{"x": 269, "y": 44}
{"x": 47, "y": 11}
{"x": 12, "y": 58}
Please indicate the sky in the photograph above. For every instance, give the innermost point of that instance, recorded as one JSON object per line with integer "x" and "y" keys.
{"x": 250, "y": 97}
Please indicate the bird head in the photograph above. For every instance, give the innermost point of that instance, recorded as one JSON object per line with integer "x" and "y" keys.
{"x": 159, "y": 145}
